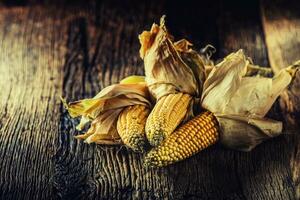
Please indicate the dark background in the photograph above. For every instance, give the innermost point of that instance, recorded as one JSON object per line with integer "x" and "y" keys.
{"x": 73, "y": 49}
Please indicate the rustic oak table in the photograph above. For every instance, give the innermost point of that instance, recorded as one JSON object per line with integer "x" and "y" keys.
{"x": 74, "y": 49}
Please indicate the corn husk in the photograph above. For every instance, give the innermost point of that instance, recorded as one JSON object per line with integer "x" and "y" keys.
{"x": 171, "y": 67}
{"x": 240, "y": 103}
{"x": 103, "y": 110}
{"x": 244, "y": 133}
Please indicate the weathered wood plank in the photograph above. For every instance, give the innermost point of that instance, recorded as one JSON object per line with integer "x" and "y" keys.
{"x": 116, "y": 173}
{"x": 73, "y": 160}
{"x": 75, "y": 51}
{"x": 119, "y": 173}
{"x": 281, "y": 22}
{"x": 31, "y": 53}
{"x": 102, "y": 49}
{"x": 263, "y": 173}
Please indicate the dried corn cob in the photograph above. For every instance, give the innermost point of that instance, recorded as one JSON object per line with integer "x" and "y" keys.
{"x": 187, "y": 140}
{"x": 166, "y": 115}
{"x": 131, "y": 127}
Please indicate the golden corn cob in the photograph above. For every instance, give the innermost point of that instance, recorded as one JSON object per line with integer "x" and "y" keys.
{"x": 166, "y": 115}
{"x": 187, "y": 140}
{"x": 131, "y": 127}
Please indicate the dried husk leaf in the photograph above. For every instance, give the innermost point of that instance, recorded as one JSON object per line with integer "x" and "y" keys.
{"x": 195, "y": 62}
{"x": 133, "y": 79}
{"x": 171, "y": 67}
{"x": 103, "y": 110}
{"x": 103, "y": 129}
{"x": 261, "y": 92}
{"x": 111, "y": 97}
{"x": 240, "y": 103}
{"x": 165, "y": 69}
{"x": 223, "y": 81}
{"x": 244, "y": 133}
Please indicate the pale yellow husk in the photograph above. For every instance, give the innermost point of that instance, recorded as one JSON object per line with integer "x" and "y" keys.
{"x": 240, "y": 103}
{"x": 171, "y": 67}
{"x": 133, "y": 79}
{"x": 103, "y": 110}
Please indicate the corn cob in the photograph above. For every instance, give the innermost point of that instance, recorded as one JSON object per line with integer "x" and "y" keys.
{"x": 166, "y": 115}
{"x": 187, "y": 140}
{"x": 131, "y": 127}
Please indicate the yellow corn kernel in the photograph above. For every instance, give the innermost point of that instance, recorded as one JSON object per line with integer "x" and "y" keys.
{"x": 131, "y": 127}
{"x": 166, "y": 115}
{"x": 191, "y": 141}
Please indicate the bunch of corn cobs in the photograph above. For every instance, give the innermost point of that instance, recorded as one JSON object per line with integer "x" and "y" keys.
{"x": 177, "y": 109}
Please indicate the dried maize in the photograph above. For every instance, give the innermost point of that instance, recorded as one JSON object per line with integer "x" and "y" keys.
{"x": 187, "y": 140}
{"x": 131, "y": 127}
{"x": 166, "y": 115}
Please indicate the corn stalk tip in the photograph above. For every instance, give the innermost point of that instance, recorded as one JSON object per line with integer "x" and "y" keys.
{"x": 162, "y": 20}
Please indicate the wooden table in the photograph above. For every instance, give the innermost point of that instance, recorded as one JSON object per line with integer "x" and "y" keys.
{"x": 73, "y": 50}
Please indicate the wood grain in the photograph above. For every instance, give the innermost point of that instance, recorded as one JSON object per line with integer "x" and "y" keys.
{"x": 101, "y": 51}
{"x": 30, "y": 84}
{"x": 241, "y": 28}
{"x": 282, "y": 28}
{"x": 74, "y": 52}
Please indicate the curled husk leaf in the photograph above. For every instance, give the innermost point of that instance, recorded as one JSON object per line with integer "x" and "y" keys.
{"x": 240, "y": 103}
{"x": 133, "y": 79}
{"x": 171, "y": 67}
{"x": 103, "y": 110}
